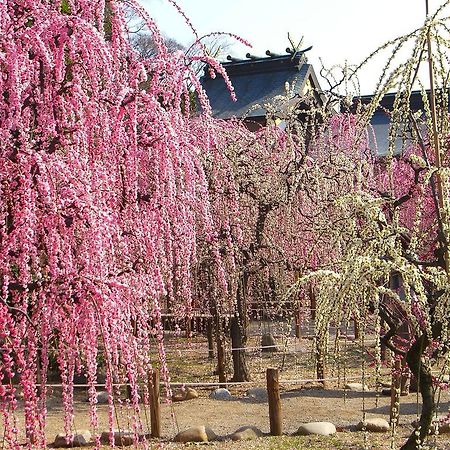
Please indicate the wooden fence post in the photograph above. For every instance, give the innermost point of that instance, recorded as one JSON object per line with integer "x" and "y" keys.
{"x": 155, "y": 411}
{"x": 273, "y": 391}
{"x": 395, "y": 393}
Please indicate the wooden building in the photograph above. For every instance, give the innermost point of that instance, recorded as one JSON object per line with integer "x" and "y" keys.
{"x": 258, "y": 82}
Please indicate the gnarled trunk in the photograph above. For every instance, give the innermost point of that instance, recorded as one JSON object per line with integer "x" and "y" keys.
{"x": 238, "y": 341}
{"x": 422, "y": 372}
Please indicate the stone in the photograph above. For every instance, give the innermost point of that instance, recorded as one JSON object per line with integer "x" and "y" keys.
{"x": 121, "y": 438}
{"x": 319, "y": 428}
{"x": 246, "y": 433}
{"x": 102, "y": 398}
{"x": 376, "y": 425}
{"x": 184, "y": 394}
{"x": 357, "y": 387}
{"x": 221, "y": 394}
{"x": 268, "y": 343}
{"x": 80, "y": 439}
{"x": 196, "y": 434}
{"x": 191, "y": 393}
{"x": 257, "y": 393}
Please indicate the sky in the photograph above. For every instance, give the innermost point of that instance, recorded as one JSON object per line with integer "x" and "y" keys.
{"x": 340, "y": 31}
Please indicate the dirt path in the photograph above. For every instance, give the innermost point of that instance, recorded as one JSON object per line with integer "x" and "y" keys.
{"x": 224, "y": 417}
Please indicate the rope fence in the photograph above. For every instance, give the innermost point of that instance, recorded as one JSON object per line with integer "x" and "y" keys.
{"x": 211, "y": 384}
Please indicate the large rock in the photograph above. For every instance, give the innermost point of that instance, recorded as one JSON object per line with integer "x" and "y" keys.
{"x": 268, "y": 343}
{"x": 184, "y": 394}
{"x": 221, "y": 394}
{"x": 102, "y": 398}
{"x": 196, "y": 434}
{"x": 357, "y": 387}
{"x": 246, "y": 433}
{"x": 79, "y": 439}
{"x": 121, "y": 438}
{"x": 320, "y": 428}
{"x": 376, "y": 425}
{"x": 257, "y": 393}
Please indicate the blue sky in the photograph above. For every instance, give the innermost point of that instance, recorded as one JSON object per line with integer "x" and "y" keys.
{"x": 339, "y": 30}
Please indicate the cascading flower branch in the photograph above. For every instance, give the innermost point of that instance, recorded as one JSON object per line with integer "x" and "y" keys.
{"x": 102, "y": 200}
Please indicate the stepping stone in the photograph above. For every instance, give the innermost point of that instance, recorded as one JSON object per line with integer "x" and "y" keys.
{"x": 319, "y": 428}
{"x": 376, "y": 425}
{"x": 356, "y": 387}
{"x": 246, "y": 433}
{"x": 221, "y": 394}
{"x": 80, "y": 439}
{"x": 196, "y": 434}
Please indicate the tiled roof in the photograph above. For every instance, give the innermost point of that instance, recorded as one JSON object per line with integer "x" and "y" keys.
{"x": 255, "y": 81}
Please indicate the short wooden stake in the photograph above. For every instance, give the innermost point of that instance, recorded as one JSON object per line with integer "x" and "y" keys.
{"x": 273, "y": 391}
{"x": 395, "y": 393}
{"x": 155, "y": 411}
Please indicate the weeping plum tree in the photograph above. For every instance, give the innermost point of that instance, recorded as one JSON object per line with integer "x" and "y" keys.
{"x": 393, "y": 222}
{"x": 102, "y": 199}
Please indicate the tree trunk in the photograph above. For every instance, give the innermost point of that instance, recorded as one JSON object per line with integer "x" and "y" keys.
{"x": 238, "y": 341}
{"x": 238, "y": 333}
{"x": 209, "y": 335}
{"x": 422, "y": 372}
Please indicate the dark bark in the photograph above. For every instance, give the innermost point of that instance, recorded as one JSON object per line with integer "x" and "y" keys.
{"x": 209, "y": 335}
{"x": 422, "y": 372}
{"x": 238, "y": 341}
{"x": 238, "y": 334}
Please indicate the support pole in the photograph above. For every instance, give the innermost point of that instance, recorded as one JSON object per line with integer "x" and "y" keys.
{"x": 273, "y": 391}
{"x": 155, "y": 410}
